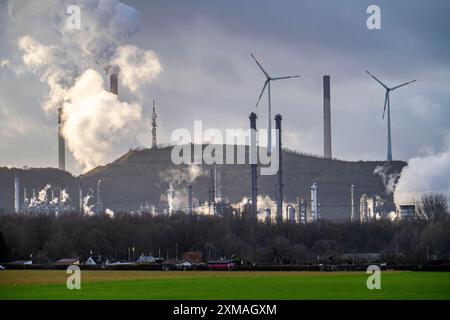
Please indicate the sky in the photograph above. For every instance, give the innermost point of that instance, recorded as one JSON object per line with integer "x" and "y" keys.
{"x": 207, "y": 74}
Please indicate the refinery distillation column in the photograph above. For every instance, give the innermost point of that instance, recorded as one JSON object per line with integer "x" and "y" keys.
{"x": 253, "y": 163}
{"x": 326, "y": 118}
{"x": 280, "y": 170}
{"x": 352, "y": 199}
{"x": 314, "y": 202}
{"x": 16, "y": 195}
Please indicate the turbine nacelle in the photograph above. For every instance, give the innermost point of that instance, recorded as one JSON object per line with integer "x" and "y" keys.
{"x": 268, "y": 79}
{"x": 388, "y": 90}
{"x": 267, "y": 85}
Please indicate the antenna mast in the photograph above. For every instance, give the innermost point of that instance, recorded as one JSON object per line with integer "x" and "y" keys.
{"x": 154, "y": 116}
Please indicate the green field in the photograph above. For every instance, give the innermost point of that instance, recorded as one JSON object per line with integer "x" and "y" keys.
{"x": 37, "y": 284}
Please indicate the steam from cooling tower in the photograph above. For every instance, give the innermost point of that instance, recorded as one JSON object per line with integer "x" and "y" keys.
{"x": 97, "y": 125}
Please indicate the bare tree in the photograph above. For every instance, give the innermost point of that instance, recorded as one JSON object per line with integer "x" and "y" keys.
{"x": 433, "y": 206}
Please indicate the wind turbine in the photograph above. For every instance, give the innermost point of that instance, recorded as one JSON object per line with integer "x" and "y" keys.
{"x": 269, "y": 110}
{"x": 388, "y": 104}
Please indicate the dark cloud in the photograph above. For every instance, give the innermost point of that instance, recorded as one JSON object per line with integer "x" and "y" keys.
{"x": 204, "y": 47}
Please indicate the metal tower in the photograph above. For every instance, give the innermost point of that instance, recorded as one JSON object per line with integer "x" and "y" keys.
{"x": 154, "y": 116}
{"x": 280, "y": 171}
{"x": 253, "y": 163}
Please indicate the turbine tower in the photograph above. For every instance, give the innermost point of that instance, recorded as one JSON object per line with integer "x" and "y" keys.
{"x": 388, "y": 104}
{"x": 269, "y": 107}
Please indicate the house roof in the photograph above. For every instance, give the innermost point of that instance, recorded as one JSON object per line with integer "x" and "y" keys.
{"x": 221, "y": 261}
{"x": 67, "y": 260}
{"x": 21, "y": 262}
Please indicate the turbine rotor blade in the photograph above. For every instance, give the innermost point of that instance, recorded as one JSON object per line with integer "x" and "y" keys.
{"x": 385, "y": 104}
{"x": 377, "y": 80}
{"x": 260, "y": 66}
{"x": 288, "y": 77}
{"x": 404, "y": 84}
{"x": 262, "y": 92}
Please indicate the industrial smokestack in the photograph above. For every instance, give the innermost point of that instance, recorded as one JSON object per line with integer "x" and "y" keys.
{"x": 16, "y": 195}
{"x": 280, "y": 171}
{"x": 352, "y": 199}
{"x": 217, "y": 183}
{"x": 25, "y": 196}
{"x": 212, "y": 194}
{"x": 253, "y": 163}
{"x": 114, "y": 83}
{"x": 190, "y": 205}
{"x": 326, "y": 118}
{"x": 61, "y": 141}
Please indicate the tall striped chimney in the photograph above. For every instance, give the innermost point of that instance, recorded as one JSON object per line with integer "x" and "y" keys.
{"x": 280, "y": 171}
{"x": 114, "y": 83}
{"x": 326, "y": 118}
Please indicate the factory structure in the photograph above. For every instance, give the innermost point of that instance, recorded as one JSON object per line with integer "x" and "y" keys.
{"x": 305, "y": 209}
{"x": 49, "y": 199}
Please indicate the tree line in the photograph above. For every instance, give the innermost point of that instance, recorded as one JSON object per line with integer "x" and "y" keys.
{"x": 46, "y": 237}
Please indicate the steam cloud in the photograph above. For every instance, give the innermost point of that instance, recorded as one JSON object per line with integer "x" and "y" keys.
{"x": 424, "y": 175}
{"x": 97, "y": 125}
{"x": 389, "y": 180}
{"x": 178, "y": 179}
{"x": 95, "y": 121}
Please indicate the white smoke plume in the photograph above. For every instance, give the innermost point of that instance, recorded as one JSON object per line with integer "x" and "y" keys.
{"x": 4, "y": 63}
{"x": 183, "y": 174}
{"x": 64, "y": 195}
{"x": 105, "y": 25}
{"x": 42, "y": 194}
{"x": 424, "y": 175}
{"x": 109, "y": 213}
{"x": 97, "y": 125}
{"x": 53, "y": 65}
{"x": 389, "y": 180}
{"x": 264, "y": 202}
{"x": 136, "y": 66}
{"x": 178, "y": 178}
{"x": 87, "y": 208}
